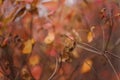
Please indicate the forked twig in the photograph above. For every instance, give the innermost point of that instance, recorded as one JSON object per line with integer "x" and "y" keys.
{"x": 116, "y": 56}
{"x": 90, "y": 50}
{"x": 117, "y": 76}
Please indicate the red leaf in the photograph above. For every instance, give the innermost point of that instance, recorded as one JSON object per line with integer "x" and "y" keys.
{"x": 53, "y": 52}
{"x": 36, "y": 72}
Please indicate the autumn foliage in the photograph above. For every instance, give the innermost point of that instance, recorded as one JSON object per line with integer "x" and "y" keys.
{"x": 59, "y": 40}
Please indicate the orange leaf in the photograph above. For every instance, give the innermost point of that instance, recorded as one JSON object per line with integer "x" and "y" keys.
{"x": 33, "y": 60}
{"x": 28, "y": 46}
{"x": 90, "y": 36}
{"x": 87, "y": 65}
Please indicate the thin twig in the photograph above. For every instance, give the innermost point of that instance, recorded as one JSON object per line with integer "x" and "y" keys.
{"x": 113, "y": 55}
{"x": 56, "y": 67}
{"x": 116, "y": 44}
{"x": 110, "y": 29}
{"x": 103, "y": 35}
{"x": 90, "y": 50}
{"x": 87, "y": 45}
{"x": 82, "y": 45}
{"x": 117, "y": 76}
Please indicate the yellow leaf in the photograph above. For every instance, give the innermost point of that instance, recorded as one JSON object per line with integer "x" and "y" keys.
{"x": 28, "y": 46}
{"x": 33, "y": 41}
{"x": 75, "y": 54}
{"x": 90, "y": 36}
{"x": 50, "y": 38}
{"x": 87, "y": 65}
{"x": 33, "y": 60}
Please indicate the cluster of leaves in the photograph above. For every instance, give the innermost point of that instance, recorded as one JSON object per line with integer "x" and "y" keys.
{"x": 59, "y": 40}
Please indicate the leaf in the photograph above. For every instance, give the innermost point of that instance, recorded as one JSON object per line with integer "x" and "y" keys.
{"x": 75, "y": 54}
{"x": 32, "y": 41}
{"x": 90, "y": 35}
{"x": 28, "y": 46}
{"x": 50, "y": 38}
{"x": 25, "y": 72}
{"x": 52, "y": 52}
{"x": 33, "y": 60}
{"x": 87, "y": 65}
{"x": 36, "y": 72}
